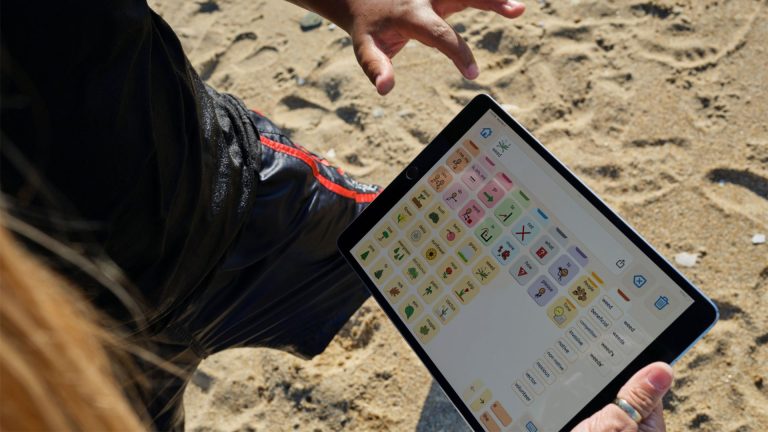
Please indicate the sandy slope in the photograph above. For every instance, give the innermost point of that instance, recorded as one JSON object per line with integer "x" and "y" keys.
{"x": 662, "y": 108}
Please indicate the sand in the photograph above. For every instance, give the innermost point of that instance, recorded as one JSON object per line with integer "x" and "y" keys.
{"x": 660, "y": 106}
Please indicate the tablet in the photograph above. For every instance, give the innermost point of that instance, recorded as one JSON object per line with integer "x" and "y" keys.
{"x": 527, "y": 298}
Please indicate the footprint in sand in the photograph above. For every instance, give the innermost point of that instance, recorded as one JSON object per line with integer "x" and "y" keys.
{"x": 739, "y": 190}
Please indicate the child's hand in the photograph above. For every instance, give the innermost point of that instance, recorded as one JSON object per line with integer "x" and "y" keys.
{"x": 380, "y": 28}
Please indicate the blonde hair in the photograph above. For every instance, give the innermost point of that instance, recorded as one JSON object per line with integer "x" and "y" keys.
{"x": 55, "y": 371}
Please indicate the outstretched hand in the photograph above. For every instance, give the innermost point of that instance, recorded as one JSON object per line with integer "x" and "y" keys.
{"x": 381, "y": 28}
{"x": 644, "y": 392}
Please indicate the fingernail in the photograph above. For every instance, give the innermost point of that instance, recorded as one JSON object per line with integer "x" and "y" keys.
{"x": 472, "y": 71}
{"x": 660, "y": 379}
{"x": 512, "y": 5}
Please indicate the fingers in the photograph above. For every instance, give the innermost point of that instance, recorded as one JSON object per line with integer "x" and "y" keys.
{"x": 433, "y": 31}
{"x": 644, "y": 392}
{"x": 646, "y": 388}
{"x": 376, "y": 65}
{"x": 505, "y": 8}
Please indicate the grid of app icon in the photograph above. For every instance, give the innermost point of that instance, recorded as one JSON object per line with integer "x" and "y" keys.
{"x": 470, "y": 222}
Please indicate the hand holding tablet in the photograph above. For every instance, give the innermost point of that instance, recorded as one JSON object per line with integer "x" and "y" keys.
{"x": 526, "y": 297}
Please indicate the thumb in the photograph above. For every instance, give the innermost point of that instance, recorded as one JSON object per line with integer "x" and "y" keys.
{"x": 644, "y": 392}
{"x": 646, "y": 388}
{"x": 376, "y": 65}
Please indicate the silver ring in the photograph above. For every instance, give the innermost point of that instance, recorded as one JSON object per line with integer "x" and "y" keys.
{"x": 629, "y": 409}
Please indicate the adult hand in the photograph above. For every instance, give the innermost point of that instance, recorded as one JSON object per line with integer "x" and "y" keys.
{"x": 644, "y": 392}
{"x": 381, "y": 28}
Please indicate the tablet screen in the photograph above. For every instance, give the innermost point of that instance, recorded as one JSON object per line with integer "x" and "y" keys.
{"x": 527, "y": 299}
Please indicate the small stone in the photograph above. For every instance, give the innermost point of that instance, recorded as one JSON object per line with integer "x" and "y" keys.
{"x": 310, "y": 21}
{"x": 332, "y": 26}
{"x": 300, "y": 81}
{"x": 758, "y": 239}
{"x": 202, "y": 380}
{"x": 377, "y": 112}
{"x": 686, "y": 259}
{"x": 330, "y": 154}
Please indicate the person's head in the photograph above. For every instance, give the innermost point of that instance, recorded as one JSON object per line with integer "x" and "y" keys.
{"x": 55, "y": 370}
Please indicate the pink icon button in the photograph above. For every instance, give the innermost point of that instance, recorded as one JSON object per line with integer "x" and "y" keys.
{"x": 471, "y": 213}
{"x": 455, "y": 195}
{"x": 474, "y": 176}
{"x": 490, "y": 194}
{"x": 504, "y": 180}
{"x": 488, "y": 163}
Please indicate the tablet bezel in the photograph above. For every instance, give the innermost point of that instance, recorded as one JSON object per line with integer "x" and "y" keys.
{"x": 668, "y": 347}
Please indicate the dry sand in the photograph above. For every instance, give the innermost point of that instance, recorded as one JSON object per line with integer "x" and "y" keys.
{"x": 660, "y": 106}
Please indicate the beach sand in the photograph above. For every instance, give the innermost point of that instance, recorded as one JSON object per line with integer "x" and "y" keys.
{"x": 660, "y": 106}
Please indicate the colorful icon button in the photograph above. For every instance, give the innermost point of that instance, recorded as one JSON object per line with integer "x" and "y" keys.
{"x": 474, "y": 176}
{"x": 560, "y": 235}
{"x": 436, "y": 215}
{"x": 490, "y": 194}
{"x": 563, "y": 270}
{"x": 421, "y": 198}
{"x": 472, "y": 147}
{"x": 488, "y": 231}
{"x": 366, "y": 253}
{"x": 541, "y": 215}
{"x": 562, "y": 311}
{"x": 426, "y": 329}
{"x": 410, "y": 309}
{"x": 417, "y": 234}
{"x": 505, "y": 181}
{"x": 414, "y": 270}
{"x": 468, "y": 251}
{"x": 488, "y": 164}
{"x": 402, "y": 216}
{"x": 584, "y": 290}
{"x": 579, "y": 254}
{"x": 501, "y": 413}
{"x": 445, "y": 310}
{"x": 430, "y": 290}
{"x": 471, "y": 213}
{"x": 525, "y": 230}
{"x": 448, "y": 271}
{"x": 384, "y": 234}
{"x": 522, "y": 197}
{"x": 399, "y": 252}
{"x": 544, "y": 249}
{"x": 440, "y": 179}
{"x": 490, "y": 424}
{"x": 395, "y": 290}
{"x": 542, "y": 291}
{"x": 501, "y": 146}
{"x": 455, "y": 195}
{"x": 485, "y": 270}
{"x": 523, "y": 270}
{"x": 451, "y": 233}
{"x": 433, "y": 251}
{"x": 504, "y": 251}
{"x": 380, "y": 271}
{"x": 458, "y": 160}
{"x": 481, "y": 401}
{"x": 662, "y": 303}
{"x": 508, "y": 211}
{"x": 466, "y": 290}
